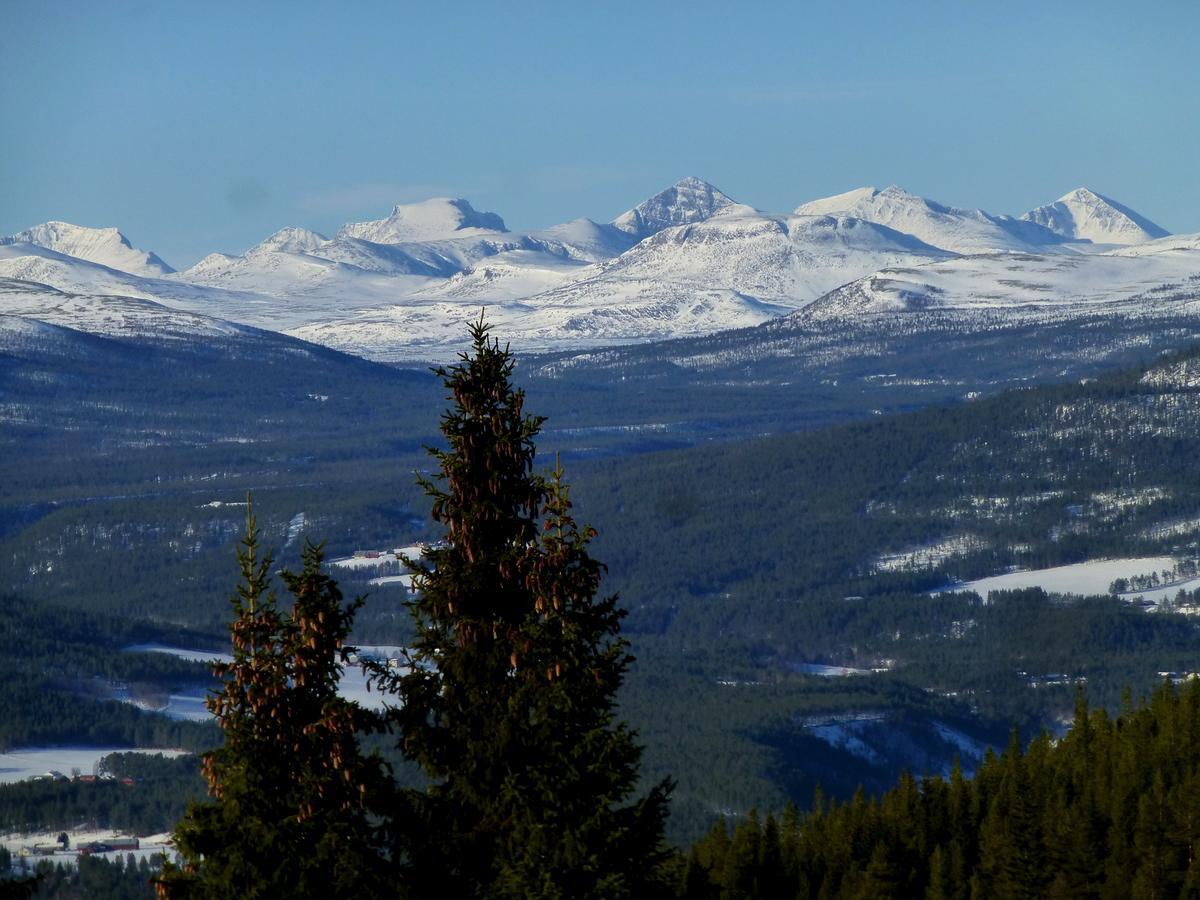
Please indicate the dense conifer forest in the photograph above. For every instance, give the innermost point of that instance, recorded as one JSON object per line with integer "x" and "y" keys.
{"x": 765, "y": 583}
{"x": 1110, "y": 809}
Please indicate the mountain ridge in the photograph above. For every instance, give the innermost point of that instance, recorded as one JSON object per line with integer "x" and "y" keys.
{"x": 689, "y": 260}
{"x": 106, "y": 246}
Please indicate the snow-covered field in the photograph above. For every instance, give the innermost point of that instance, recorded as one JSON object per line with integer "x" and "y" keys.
{"x": 366, "y": 563}
{"x": 19, "y": 765}
{"x": 1087, "y": 578}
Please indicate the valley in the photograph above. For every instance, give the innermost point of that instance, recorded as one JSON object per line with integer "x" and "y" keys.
{"x": 880, "y": 443}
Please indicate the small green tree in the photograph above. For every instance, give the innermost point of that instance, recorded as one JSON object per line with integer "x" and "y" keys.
{"x": 508, "y": 700}
{"x": 291, "y": 792}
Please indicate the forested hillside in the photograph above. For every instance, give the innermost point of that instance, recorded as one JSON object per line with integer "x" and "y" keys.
{"x": 745, "y": 564}
{"x": 1109, "y": 810}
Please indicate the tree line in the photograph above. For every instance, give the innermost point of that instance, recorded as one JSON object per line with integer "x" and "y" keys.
{"x": 1110, "y": 809}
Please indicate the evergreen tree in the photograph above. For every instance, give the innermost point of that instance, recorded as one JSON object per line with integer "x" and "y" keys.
{"x": 290, "y": 790}
{"x": 508, "y": 701}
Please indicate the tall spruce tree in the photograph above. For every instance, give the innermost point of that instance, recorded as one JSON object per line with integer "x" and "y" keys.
{"x": 291, "y": 792}
{"x": 508, "y": 702}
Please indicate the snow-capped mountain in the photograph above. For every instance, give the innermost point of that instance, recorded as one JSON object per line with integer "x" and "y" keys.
{"x": 431, "y": 220}
{"x": 688, "y": 261}
{"x": 687, "y": 201}
{"x": 290, "y": 240}
{"x": 1084, "y": 215}
{"x": 735, "y": 269}
{"x": 585, "y": 240}
{"x": 1053, "y": 286}
{"x": 106, "y": 246}
{"x": 36, "y": 263}
{"x": 38, "y": 267}
{"x": 946, "y": 227}
{"x": 774, "y": 260}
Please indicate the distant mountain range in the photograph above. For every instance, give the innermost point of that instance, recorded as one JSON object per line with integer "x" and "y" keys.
{"x": 688, "y": 261}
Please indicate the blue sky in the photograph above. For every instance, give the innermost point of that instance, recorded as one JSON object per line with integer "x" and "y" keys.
{"x": 207, "y": 126}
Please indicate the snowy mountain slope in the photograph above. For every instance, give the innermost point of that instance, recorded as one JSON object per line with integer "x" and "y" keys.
{"x": 108, "y": 315}
{"x": 284, "y": 290}
{"x": 956, "y": 230}
{"x": 38, "y": 266}
{"x": 33, "y": 262}
{"x": 584, "y": 240}
{"x": 434, "y": 331}
{"x": 687, "y": 201}
{"x": 291, "y": 240}
{"x": 1083, "y": 215}
{"x": 1054, "y": 285}
{"x": 786, "y": 261}
{"x": 106, "y": 246}
{"x": 1171, "y": 244}
{"x": 510, "y": 275}
{"x": 734, "y": 270}
{"x": 436, "y": 219}
{"x": 685, "y": 262}
{"x": 297, "y": 260}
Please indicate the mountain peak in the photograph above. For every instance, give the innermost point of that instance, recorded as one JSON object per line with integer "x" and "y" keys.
{"x": 438, "y": 218}
{"x": 1085, "y": 215}
{"x": 686, "y": 201}
{"x": 106, "y": 246}
{"x": 944, "y": 227}
{"x": 1082, "y": 195}
{"x": 839, "y": 203}
{"x": 292, "y": 239}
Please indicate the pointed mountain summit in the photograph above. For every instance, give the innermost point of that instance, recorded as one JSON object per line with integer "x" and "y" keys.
{"x": 1084, "y": 215}
{"x": 945, "y": 227}
{"x": 290, "y": 240}
{"x": 687, "y": 201}
{"x": 105, "y": 246}
{"x": 441, "y": 218}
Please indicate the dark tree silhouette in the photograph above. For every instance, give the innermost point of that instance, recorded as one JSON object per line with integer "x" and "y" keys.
{"x": 291, "y": 793}
{"x": 508, "y": 700}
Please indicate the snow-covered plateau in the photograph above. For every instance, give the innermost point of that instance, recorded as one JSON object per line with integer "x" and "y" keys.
{"x": 689, "y": 261}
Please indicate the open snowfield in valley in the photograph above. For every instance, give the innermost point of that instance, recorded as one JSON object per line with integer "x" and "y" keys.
{"x": 19, "y": 765}
{"x": 190, "y": 705}
{"x": 1087, "y": 578}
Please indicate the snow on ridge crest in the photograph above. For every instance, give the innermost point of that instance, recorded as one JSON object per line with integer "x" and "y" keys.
{"x": 687, "y": 201}
{"x": 946, "y": 227}
{"x": 438, "y": 218}
{"x": 106, "y": 246}
{"x": 1084, "y": 215}
{"x": 292, "y": 239}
